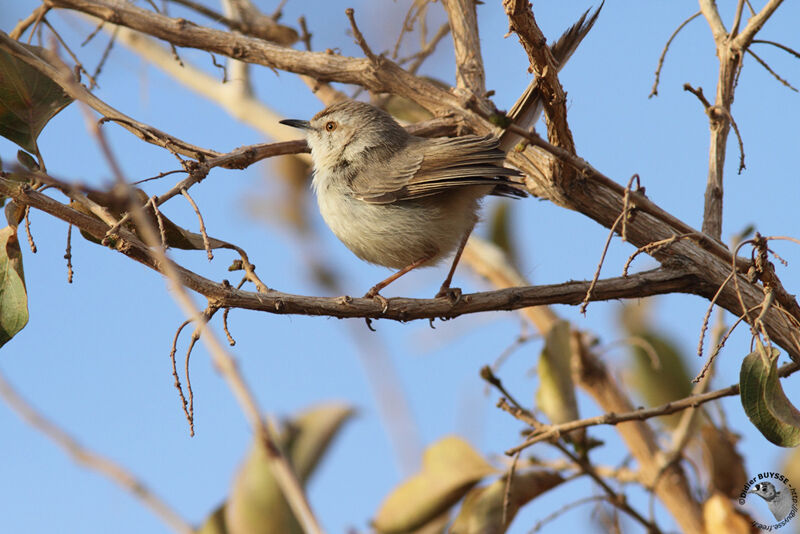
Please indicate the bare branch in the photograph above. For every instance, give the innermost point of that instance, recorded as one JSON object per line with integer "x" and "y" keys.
{"x": 92, "y": 460}
{"x": 470, "y": 75}
{"x": 654, "y": 90}
{"x": 642, "y": 414}
{"x": 711, "y": 13}
{"x": 755, "y": 24}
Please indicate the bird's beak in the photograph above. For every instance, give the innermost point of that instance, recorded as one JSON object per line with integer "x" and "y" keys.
{"x": 294, "y": 123}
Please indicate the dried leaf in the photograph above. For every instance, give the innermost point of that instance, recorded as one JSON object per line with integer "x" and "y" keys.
{"x": 482, "y": 511}
{"x": 719, "y": 515}
{"x": 450, "y": 467}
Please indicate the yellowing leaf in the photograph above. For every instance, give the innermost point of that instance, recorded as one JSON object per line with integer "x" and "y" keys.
{"x": 482, "y": 510}
{"x": 450, "y": 467}
{"x": 256, "y": 504}
{"x": 556, "y": 394}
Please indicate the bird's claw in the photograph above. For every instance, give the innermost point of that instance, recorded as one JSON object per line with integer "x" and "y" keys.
{"x": 453, "y": 294}
{"x": 377, "y": 297}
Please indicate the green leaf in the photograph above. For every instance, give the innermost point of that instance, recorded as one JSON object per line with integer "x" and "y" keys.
{"x": 764, "y": 401}
{"x": 658, "y": 371}
{"x": 13, "y": 295}
{"x": 256, "y": 504}
{"x": 450, "y": 467}
{"x": 556, "y": 394}
{"x": 28, "y": 99}
{"x": 482, "y": 510}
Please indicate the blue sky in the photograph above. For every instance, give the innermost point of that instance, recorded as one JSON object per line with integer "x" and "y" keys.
{"x": 94, "y": 356}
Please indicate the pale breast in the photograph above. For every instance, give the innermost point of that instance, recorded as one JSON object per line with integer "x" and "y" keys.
{"x": 396, "y": 235}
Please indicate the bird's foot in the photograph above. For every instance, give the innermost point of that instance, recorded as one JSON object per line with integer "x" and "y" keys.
{"x": 377, "y": 297}
{"x": 453, "y": 294}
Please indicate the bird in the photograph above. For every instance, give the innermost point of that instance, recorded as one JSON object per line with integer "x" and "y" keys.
{"x": 779, "y": 502}
{"x": 403, "y": 201}
{"x": 398, "y": 200}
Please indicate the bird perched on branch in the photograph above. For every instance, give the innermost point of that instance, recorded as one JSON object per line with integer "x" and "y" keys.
{"x": 403, "y": 201}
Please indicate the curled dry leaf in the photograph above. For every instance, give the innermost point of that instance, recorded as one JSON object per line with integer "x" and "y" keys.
{"x": 450, "y": 467}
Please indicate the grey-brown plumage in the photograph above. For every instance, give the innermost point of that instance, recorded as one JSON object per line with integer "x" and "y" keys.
{"x": 395, "y": 199}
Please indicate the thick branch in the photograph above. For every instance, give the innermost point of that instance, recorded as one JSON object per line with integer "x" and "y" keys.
{"x": 545, "y": 68}
{"x": 463, "y": 18}
{"x": 328, "y": 66}
{"x": 401, "y": 309}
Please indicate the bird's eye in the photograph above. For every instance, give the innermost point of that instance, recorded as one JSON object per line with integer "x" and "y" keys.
{"x": 330, "y": 126}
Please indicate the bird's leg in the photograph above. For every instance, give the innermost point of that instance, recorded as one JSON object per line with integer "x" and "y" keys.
{"x": 453, "y": 294}
{"x": 374, "y": 292}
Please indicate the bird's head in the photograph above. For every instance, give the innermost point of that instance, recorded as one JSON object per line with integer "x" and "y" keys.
{"x": 350, "y": 133}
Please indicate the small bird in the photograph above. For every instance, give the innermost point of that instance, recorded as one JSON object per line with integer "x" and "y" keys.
{"x": 403, "y": 201}
{"x": 779, "y": 502}
{"x": 398, "y": 200}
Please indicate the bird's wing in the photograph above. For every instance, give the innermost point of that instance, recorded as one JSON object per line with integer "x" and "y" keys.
{"x": 437, "y": 165}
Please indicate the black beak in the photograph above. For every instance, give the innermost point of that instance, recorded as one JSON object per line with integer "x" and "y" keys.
{"x": 294, "y": 123}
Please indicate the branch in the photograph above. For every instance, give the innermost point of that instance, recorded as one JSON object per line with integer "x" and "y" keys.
{"x": 711, "y": 13}
{"x": 64, "y": 78}
{"x": 390, "y": 78}
{"x": 755, "y": 24}
{"x": 400, "y": 309}
{"x": 642, "y": 414}
{"x": 470, "y": 75}
{"x": 545, "y": 68}
{"x": 92, "y": 460}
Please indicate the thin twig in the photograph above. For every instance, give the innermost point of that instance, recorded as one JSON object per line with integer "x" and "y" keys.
{"x": 78, "y": 64}
{"x": 774, "y": 74}
{"x": 184, "y": 403}
{"x": 359, "y": 37}
{"x": 92, "y": 460}
{"x": 779, "y": 45}
{"x": 32, "y": 19}
{"x": 106, "y": 54}
{"x": 551, "y": 431}
{"x": 707, "y": 315}
{"x": 68, "y": 254}
{"x": 207, "y": 245}
{"x": 564, "y": 509}
{"x": 28, "y": 229}
{"x": 596, "y": 276}
{"x": 654, "y": 90}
